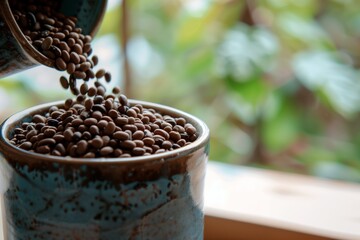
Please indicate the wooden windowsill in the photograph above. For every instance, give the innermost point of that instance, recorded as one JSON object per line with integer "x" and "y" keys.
{"x": 248, "y": 203}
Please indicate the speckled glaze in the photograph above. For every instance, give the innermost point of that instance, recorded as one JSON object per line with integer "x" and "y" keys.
{"x": 150, "y": 197}
{"x": 17, "y": 54}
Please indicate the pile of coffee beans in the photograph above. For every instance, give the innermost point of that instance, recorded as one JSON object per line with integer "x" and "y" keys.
{"x": 103, "y": 126}
{"x": 94, "y": 124}
{"x": 57, "y": 37}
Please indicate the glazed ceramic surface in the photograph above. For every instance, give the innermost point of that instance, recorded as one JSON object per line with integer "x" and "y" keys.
{"x": 17, "y": 54}
{"x": 150, "y": 197}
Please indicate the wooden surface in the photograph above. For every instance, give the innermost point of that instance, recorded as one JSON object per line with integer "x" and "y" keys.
{"x": 226, "y": 229}
{"x": 282, "y": 201}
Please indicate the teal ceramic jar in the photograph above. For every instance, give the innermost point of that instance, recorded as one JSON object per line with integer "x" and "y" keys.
{"x": 150, "y": 197}
{"x": 17, "y": 54}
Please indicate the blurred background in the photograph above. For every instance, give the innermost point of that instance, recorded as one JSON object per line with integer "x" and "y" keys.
{"x": 277, "y": 81}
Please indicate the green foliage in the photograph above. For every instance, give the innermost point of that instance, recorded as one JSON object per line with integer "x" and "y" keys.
{"x": 276, "y": 80}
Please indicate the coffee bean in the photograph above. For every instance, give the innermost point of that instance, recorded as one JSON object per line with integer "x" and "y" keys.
{"x": 60, "y": 63}
{"x": 49, "y": 132}
{"x": 68, "y": 134}
{"x": 106, "y": 151}
{"x": 77, "y": 48}
{"x": 110, "y": 128}
{"x": 46, "y": 141}
{"x": 95, "y": 60}
{"x": 85, "y": 66}
{"x": 47, "y": 43}
{"x": 74, "y": 57}
{"x": 101, "y": 90}
{"x": 63, "y": 46}
{"x": 128, "y": 144}
{"x": 81, "y": 147}
{"x": 138, "y": 135}
{"x": 120, "y": 135}
{"x": 100, "y": 73}
{"x": 79, "y": 75}
{"x": 65, "y": 55}
{"x": 162, "y": 133}
{"x": 137, "y": 151}
{"x": 38, "y": 119}
{"x": 107, "y": 76}
{"x": 190, "y": 129}
{"x": 43, "y": 149}
{"x": 26, "y": 145}
{"x": 70, "y": 68}
{"x": 64, "y": 82}
{"x": 92, "y": 92}
{"x": 55, "y": 50}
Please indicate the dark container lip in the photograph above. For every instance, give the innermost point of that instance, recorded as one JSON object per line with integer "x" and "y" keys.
{"x": 9, "y": 150}
{"x": 29, "y": 49}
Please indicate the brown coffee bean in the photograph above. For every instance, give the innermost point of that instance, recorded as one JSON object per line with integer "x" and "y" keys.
{"x": 77, "y": 122}
{"x": 128, "y": 144}
{"x": 162, "y": 133}
{"x": 100, "y": 73}
{"x": 131, "y": 112}
{"x": 82, "y": 146}
{"x": 95, "y": 60}
{"x": 148, "y": 141}
{"x": 63, "y": 46}
{"x": 71, "y": 42}
{"x": 38, "y": 119}
{"x": 94, "y": 130}
{"x": 92, "y": 91}
{"x": 179, "y": 129}
{"x": 68, "y": 134}
{"x": 60, "y": 64}
{"x": 107, "y": 76}
{"x": 26, "y": 145}
{"x": 49, "y": 21}
{"x": 110, "y": 128}
{"x": 49, "y": 54}
{"x": 97, "y": 142}
{"x": 85, "y": 66}
{"x": 99, "y": 107}
{"x": 138, "y": 135}
{"x": 120, "y": 135}
{"x": 64, "y": 82}
{"x": 89, "y": 155}
{"x": 175, "y": 136}
{"x": 137, "y": 151}
{"x": 49, "y": 132}
{"x": 74, "y": 57}
{"x": 190, "y": 129}
{"x": 59, "y": 138}
{"x": 87, "y": 47}
{"x": 102, "y": 124}
{"x": 181, "y": 142}
{"x": 106, "y": 151}
{"x": 47, "y": 142}
{"x": 79, "y": 75}
{"x": 48, "y": 41}
{"x": 77, "y": 48}
{"x": 43, "y": 149}
{"x": 68, "y": 103}
{"x": 117, "y": 152}
{"x": 139, "y": 143}
{"x": 116, "y": 90}
{"x": 113, "y": 114}
{"x": 59, "y": 35}
{"x": 65, "y": 55}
